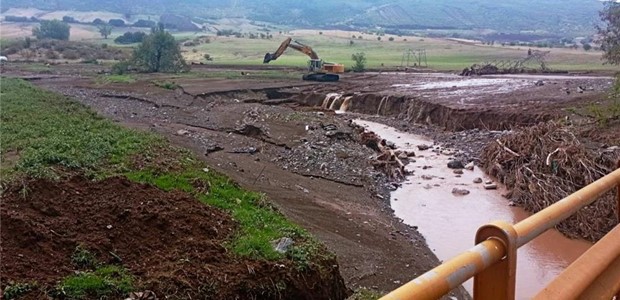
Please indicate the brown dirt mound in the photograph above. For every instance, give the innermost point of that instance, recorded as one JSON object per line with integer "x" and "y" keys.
{"x": 542, "y": 164}
{"x": 169, "y": 241}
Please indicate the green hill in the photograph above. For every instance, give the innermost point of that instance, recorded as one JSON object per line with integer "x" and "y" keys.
{"x": 553, "y": 17}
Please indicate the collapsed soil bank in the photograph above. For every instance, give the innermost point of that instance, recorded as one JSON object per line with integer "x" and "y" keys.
{"x": 170, "y": 242}
{"x": 417, "y": 110}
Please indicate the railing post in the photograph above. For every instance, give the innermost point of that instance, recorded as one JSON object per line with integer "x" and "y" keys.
{"x": 498, "y": 281}
{"x": 618, "y": 212}
{"x": 618, "y": 198}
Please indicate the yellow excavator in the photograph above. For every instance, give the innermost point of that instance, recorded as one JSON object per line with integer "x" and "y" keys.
{"x": 319, "y": 70}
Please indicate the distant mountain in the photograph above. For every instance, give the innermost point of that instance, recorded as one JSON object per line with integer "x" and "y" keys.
{"x": 555, "y": 17}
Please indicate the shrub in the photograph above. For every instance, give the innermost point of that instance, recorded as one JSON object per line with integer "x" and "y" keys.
{"x": 68, "y": 19}
{"x": 51, "y": 54}
{"x": 116, "y": 22}
{"x": 52, "y": 30}
{"x": 70, "y": 54}
{"x": 360, "y": 61}
{"x": 228, "y": 32}
{"x": 130, "y": 38}
{"x": 121, "y": 68}
{"x": 159, "y": 52}
{"x": 16, "y": 19}
{"x": 144, "y": 23}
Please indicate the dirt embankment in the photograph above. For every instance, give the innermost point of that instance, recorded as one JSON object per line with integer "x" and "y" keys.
{"x": 416, "y": 110}
{"x": 172, "y": 243}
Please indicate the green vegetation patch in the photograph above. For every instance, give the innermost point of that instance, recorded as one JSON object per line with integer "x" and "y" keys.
{"x": 82, "y": 258}
{"x": 168, "y": 85}
{"x": 260, "y": 223}
{"x": 104, "y": 281}
{"x": 365, "y": 294}
{"x": 15, "y": 290}
{"x": 124, "y": 78}
{"x": 52, "y": 134}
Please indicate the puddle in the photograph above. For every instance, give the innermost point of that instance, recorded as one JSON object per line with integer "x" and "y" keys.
{"x": 464, "y": 82}
{"x": 449, "y": 222}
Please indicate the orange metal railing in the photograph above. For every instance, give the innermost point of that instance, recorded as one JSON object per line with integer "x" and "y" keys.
{"x": 492, "y": 261}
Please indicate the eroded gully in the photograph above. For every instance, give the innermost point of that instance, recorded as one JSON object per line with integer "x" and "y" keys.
{"x": 449, "y": 222}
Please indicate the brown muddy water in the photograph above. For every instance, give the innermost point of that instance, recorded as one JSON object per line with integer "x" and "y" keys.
{"x": 449, "y": 222}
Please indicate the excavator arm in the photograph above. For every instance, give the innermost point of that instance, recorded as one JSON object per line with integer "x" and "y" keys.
{"x": 305, "y": 49}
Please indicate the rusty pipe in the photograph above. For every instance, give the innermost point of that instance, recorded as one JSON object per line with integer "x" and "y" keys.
{"x": 535, "y": 225}
{"x": 618, "y": 202}
{"x": 606, "y": 285}
{"x": 583, "y": 272}
{"x": 451, "y": 274}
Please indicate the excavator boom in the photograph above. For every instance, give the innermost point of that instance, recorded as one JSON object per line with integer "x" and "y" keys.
{"x": 287, "y": 44}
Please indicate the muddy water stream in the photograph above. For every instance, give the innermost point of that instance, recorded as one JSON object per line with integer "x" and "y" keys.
{"x": 449, "y": 222}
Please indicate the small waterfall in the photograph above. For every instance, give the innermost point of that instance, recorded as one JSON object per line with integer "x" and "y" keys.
{"x": 335, "y": 103}
{"x": 381, "y": 104}
{"x": 346, "y": 104}
{"x": 328, "y": 100}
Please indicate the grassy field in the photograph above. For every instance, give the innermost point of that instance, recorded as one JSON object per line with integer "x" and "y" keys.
{"x": 335, "y": 46}
{"x": 47, "y": 135}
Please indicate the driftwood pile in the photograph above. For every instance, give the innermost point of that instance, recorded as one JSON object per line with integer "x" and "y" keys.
{"x": 388, "y": 160}
{"x": 545, "y": 163}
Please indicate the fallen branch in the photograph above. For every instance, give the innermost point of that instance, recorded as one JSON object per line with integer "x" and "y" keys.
{"x": 508, "y": 149}
{"x": 548, "y": 161}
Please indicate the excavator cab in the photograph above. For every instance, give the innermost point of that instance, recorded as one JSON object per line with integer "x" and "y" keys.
{"x": 319, "y": 71}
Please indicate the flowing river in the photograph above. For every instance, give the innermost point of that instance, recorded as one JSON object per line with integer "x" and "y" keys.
{"x": 449, "y": 222}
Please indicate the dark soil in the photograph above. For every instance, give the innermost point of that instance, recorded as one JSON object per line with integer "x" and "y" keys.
{"x": 170, "y": 242}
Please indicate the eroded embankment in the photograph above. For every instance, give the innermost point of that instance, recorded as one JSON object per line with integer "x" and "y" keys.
{"x": 550, "y": 161}
{"x": 415, "y": 110}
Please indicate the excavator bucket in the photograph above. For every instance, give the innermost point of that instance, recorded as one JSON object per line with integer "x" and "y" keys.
{"x": 268, "y": 57}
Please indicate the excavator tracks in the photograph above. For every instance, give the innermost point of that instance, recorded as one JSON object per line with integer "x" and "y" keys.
{"x": 321, "y": 77}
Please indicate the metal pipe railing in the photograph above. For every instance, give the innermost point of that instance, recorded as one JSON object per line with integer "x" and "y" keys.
{"x": 450, "y": 275}
{"x": 454, "y": 272}
{"x": 547, "y": 218}
{"x": 584, "y": 271}
{"x": 606, "y": 285}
